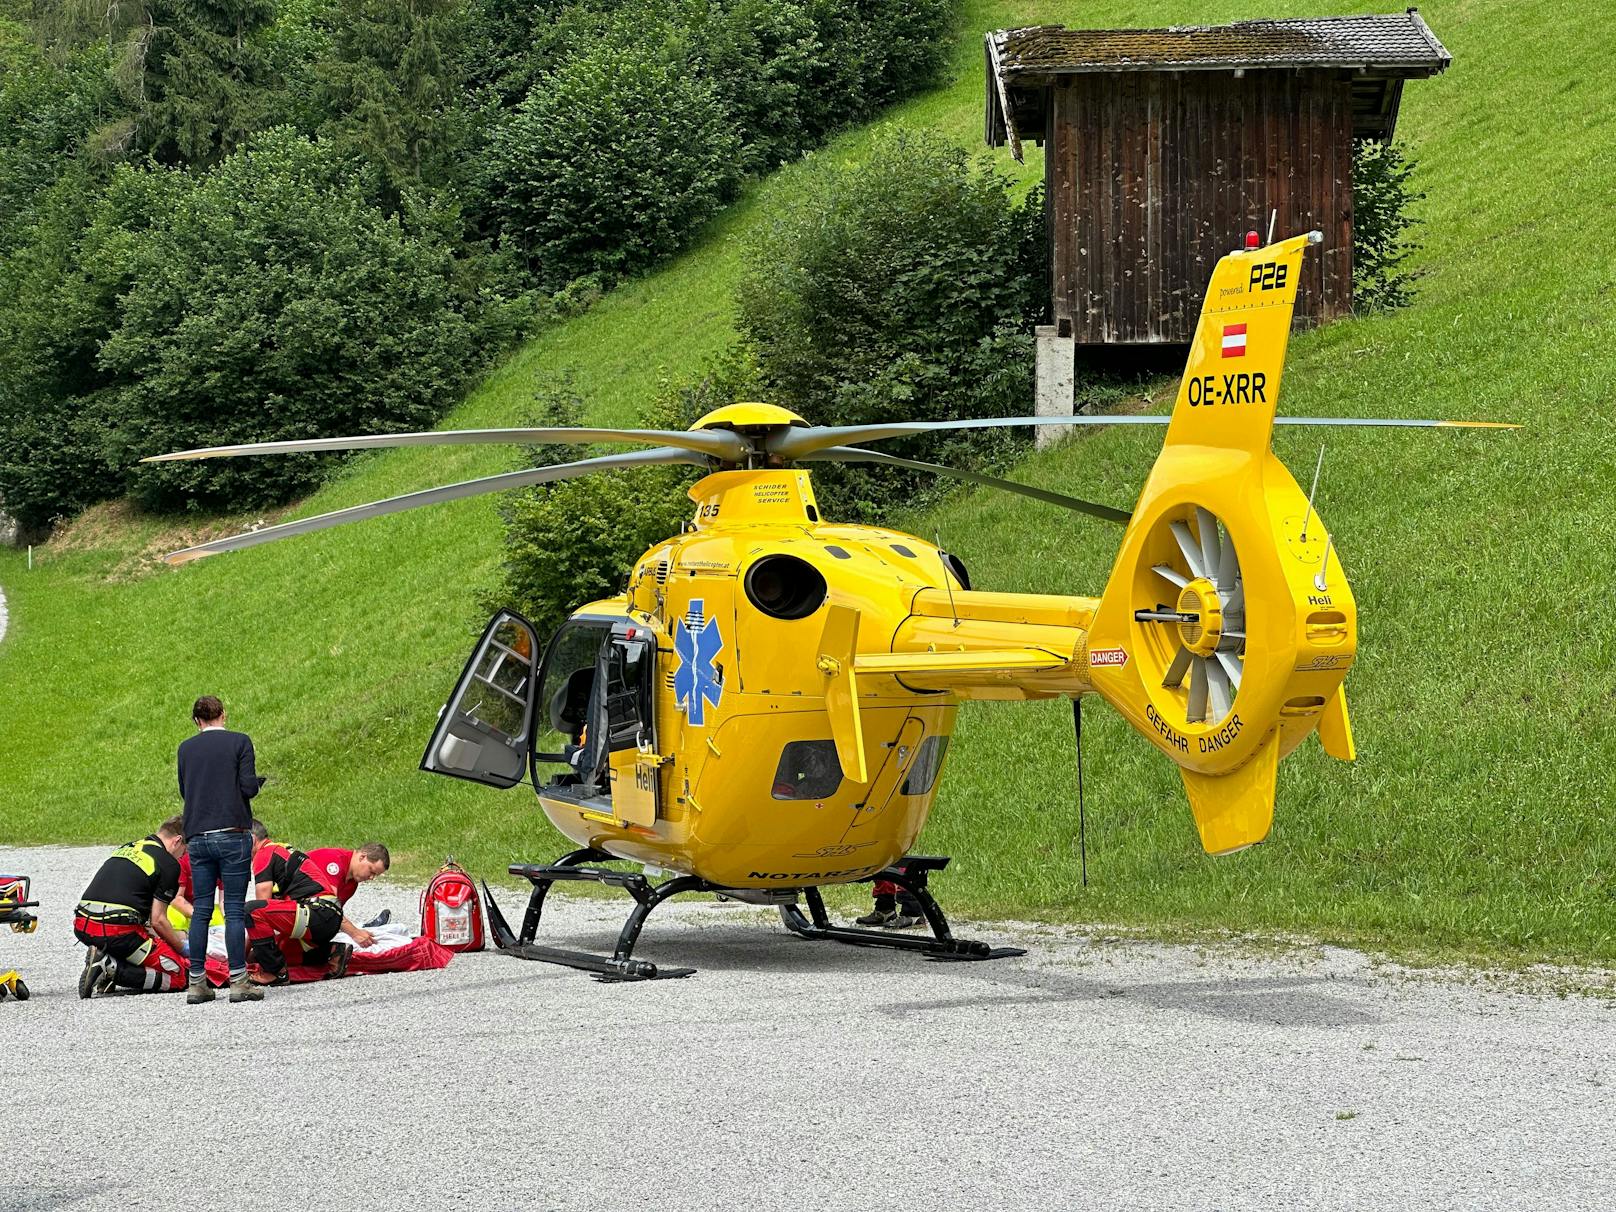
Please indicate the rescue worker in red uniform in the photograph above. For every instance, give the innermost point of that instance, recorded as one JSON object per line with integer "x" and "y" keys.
{"x": 123, "y": 917}
{"x": 299, "y": 910}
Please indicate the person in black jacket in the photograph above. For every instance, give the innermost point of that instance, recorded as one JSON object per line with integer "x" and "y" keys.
{"x": 123, "y": 917}
{"x": 217, "y": 783}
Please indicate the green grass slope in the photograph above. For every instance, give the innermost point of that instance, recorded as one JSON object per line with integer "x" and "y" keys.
{"x": 1474, "y": 818}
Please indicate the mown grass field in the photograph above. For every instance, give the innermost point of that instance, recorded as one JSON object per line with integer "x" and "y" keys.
{"x": 1476, "y": 819}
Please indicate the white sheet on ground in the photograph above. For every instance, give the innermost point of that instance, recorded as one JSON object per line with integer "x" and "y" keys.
{"x": 388, "y": 937}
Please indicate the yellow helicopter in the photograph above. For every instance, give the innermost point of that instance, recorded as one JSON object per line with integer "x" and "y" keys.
{"x": 766, "y": 709}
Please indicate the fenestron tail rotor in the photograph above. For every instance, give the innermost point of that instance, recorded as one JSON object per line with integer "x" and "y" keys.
{"x": 1204, "y": 626}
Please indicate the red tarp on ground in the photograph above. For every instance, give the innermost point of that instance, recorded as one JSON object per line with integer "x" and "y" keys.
{"x": 417, "y": 955}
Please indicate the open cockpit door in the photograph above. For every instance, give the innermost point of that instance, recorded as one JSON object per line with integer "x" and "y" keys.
{"x": 485, "y": 729}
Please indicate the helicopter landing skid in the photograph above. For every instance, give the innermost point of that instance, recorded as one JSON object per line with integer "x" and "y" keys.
{"x": 621, "y": 964}
{"x": 910, "y": 875}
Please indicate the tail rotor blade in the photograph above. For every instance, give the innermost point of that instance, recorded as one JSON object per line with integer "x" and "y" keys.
{"x": 1218, "y": 685}
{"x": 433, "y": 496}
{"x": 1196, "y": 710}
{"x": 848, "y": 454}
{"x": 1228, "y": 565}
{"x": 1208, "y": 526}
{"x": 1176, "y": 671}
{"x": 1190, "y": 549}
{"x": 1231, "y": 666}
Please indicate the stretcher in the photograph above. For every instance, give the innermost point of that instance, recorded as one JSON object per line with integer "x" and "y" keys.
{"x": 14, "y": 906}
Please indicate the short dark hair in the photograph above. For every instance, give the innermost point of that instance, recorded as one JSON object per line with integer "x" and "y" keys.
{"x": 260, "y": 831}
{"x": 207, "y": 709}
{"x": 376, "y": 853}
{"x": 174, "y": 826}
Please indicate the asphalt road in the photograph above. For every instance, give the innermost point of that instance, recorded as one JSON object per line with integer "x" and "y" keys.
{"x": 795, "y": 1075}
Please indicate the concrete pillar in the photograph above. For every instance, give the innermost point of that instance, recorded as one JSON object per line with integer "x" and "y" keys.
{"x": 1057, "y": 357}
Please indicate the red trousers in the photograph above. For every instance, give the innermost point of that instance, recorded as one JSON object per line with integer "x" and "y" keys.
{"x": 145, "y": 962}
{"x": 292, "y": 928}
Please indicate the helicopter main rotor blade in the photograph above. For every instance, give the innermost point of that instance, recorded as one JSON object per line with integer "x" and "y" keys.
{"x": 719, "y": 443}
{"x": 849, "y": 454}
{"x": 433, "y": 496}
{"x": 799, "y": 443}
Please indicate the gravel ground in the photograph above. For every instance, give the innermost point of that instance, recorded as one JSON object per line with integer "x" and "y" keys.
{"x": 796, "y": 1075}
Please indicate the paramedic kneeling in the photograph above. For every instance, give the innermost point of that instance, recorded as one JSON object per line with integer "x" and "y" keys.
{"x": 123, "y": 917}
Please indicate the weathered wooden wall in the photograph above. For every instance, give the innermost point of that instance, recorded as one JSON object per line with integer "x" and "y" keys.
{"x": 1152, "y": 176}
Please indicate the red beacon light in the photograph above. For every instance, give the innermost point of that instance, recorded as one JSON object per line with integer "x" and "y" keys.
{"x": 1251, "y": 239}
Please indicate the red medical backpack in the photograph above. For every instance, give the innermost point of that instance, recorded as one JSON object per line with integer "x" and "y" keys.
{"x": 451, "y": 910}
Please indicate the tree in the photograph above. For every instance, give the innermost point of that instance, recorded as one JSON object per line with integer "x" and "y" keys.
{"x": 391, "y": 85}
{"x": 200, "y": 76}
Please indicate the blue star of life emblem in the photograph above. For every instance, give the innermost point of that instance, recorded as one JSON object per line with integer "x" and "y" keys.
{"x": 697, "y": 643}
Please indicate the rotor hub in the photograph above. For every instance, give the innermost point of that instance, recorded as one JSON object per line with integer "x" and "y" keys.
{"x": 1200, "y": 598}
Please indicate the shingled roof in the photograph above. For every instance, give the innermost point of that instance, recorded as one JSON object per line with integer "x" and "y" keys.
{"x": 1377, "y": 47}
{"x": 1391, "y": 43}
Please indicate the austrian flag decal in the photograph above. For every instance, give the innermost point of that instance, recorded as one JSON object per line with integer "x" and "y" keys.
{"x": 1234, "y": 340}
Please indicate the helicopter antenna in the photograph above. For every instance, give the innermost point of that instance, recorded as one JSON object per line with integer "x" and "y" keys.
{"x": 1311, "y": 491}
{"x": 1082, "y": 823}
{"x": 1319, "y": 582}
{"x": 947, "y": 581}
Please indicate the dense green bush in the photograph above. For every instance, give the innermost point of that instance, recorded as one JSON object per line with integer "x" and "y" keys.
{"x": 904, "y": 287}
{"x": 612, "y": 160}
{"x": 1382, "y": 193}
{"x": 271, "y": 301}
{"x": 575, "y": 541}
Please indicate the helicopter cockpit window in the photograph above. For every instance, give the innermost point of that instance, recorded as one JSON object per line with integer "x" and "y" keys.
{"x": 568, "y": 680}
{"x": 928, "y": 761}
{"x": 809, "y": 770}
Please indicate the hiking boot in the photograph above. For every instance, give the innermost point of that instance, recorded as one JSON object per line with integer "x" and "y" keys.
{"x": 906, "y": 921}
{"x": 877, "y": 917}
{"x": 338, "y": 964}
{"x": 381, "y": 919}
{"x": 99, "y": 969}
{"x": 198, "y": 992}
{"x": 92, "y": 969}
{"x": 243, "y": 990}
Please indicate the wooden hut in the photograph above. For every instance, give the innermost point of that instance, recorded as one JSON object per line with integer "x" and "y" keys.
{"x": 1164, "y": 146}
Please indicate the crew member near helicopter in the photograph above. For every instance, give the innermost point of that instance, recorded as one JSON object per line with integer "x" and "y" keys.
{"x": 300, "y": 905}
{"x": 123, "y": 917}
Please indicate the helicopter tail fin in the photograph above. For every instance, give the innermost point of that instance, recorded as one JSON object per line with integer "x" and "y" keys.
{"x": 1228, "y": 625}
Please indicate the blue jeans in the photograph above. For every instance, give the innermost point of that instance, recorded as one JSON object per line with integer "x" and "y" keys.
{"x": 220, "y": 858}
